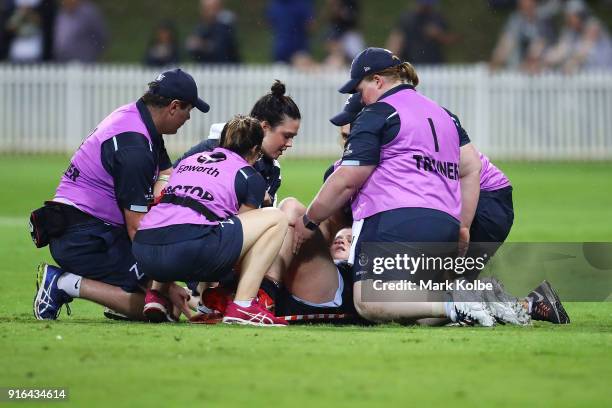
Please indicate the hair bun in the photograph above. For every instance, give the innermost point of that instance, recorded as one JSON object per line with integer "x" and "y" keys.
{"x": 278, "y": 89}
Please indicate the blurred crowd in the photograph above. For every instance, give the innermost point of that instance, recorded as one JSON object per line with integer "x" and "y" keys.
{"x": 539, "y": 35}
{"x": 533, "y": 41}
{"x": 48, "y": 30}
{"x": 291, "y": 22}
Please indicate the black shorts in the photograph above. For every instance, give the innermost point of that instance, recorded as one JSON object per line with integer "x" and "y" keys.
{"x": 492, "y": 223}
{"x": 494, "y": 217}
{"x": 208, "y": 255}
{"x": 288, "y": 305}
{"x": 98, "y": 251}
{"x": 416, "y": 232}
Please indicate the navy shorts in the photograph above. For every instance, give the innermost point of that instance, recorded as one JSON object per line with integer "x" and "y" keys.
{"x": 287, "y": 305}
{"x": 492, "y": 222}
{"x": 494, "y": 216}
{"x": 207, "y": 255}
{"x": 407, "y": 227}
{"x": 98, "y": 251}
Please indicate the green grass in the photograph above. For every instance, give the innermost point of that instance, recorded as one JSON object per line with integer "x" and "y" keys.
{"x": 105, "y": 363}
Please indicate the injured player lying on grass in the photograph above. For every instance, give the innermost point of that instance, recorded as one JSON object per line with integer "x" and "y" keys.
{"x": 316, "y": 286}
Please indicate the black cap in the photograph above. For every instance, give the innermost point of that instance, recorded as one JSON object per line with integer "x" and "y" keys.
{"x": 177, "y": 84}
{"x": 369, "y": 61}
{"x": 352, "y": 107}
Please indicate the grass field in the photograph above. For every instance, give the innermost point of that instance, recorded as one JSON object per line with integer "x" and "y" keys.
{"x": 105, "y": 363}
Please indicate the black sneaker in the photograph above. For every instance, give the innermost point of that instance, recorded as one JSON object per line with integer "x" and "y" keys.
{"x": 546, "y": 305}
{"x": 113, "y": 315}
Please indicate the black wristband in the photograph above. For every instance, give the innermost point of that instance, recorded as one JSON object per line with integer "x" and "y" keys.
{"x": 310, "y": 224}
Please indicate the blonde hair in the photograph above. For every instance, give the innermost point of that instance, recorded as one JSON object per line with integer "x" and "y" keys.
{"x": 241, "y": 134}
{"x": 403, "y": 72}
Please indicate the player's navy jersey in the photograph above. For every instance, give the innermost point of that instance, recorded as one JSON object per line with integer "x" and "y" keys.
{"x": 268, "y": 168}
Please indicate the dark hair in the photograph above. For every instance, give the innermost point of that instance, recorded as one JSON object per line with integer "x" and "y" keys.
{"x": 150, "y": 98}
{"x": 274, "y": 106}
{"x": 404, "y": 72}
{"x": 241, "y": 134}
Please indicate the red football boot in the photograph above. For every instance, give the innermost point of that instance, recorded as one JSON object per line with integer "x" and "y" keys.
{"x": 265, "y": 300}
{"x": 216, "y": 298}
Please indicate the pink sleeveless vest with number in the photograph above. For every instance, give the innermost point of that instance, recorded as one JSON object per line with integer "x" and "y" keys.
{"x": 420, "y": 167}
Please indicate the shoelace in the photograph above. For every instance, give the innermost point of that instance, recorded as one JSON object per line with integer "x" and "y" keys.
{"x": 464, "y": 317}
{"x": 260, "y": 317}
{"x": 542, "y": 309}
{"x": 46, "y": 299}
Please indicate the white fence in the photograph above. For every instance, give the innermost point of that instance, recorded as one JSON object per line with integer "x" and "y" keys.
{"x": 510, "y": 116}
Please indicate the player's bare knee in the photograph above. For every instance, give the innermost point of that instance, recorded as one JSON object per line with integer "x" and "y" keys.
{"x": 293, "y": 208}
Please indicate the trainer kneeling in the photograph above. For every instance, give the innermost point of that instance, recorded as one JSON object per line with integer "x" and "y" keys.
{"x": 208, "y": 221}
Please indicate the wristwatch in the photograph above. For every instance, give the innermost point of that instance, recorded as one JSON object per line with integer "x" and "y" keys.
{"x": 310, "y": 224}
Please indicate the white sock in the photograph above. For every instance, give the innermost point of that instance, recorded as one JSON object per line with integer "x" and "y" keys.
{"x": 243, "y": 303}
{"x": 449, "y": 307}
{"x": 70, "y": 283}
{"x": 530, "y": 301}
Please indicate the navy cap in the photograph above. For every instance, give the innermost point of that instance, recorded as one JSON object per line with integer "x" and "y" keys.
{"x": 352, "y": 107}
{"x": 177, "y": 84}
{"x": 369, "y": 61}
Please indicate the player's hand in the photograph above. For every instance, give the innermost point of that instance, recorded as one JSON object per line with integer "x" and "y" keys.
{"x": 464, "y": 241}
{"x": 179, "y": 298}
{"x": 267, "y": 202}
{"x": 300, "y": 235}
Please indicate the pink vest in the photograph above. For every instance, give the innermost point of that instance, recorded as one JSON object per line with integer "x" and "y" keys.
{"x": 86, "y": 184}
{"x": 491, "y": 178}
{"x": 209, "y": 178}
{"x": 420, "y": 166}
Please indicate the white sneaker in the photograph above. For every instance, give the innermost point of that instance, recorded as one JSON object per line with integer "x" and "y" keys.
{"x": 503, "y": 306}
{"x": 472, "y": 313}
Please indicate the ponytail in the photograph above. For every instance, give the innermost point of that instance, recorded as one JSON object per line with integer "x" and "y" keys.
{"x": 408, "y": 73}
{"x": 274, "y": 106}
{"x": 403, "y": 72}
